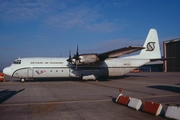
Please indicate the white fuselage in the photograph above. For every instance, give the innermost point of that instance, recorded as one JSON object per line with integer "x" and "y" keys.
{"x": 60, "y": 68}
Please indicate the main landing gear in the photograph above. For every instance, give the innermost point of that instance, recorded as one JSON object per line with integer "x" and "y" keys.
{"x": 22, "y": 80}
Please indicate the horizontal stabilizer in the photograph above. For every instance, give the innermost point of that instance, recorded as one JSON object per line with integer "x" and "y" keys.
{"x": 163, "y": 59}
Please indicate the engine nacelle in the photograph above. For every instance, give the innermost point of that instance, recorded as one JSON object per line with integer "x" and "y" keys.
{"x": 89, "y": 58}
{"x": 73, "y": 61}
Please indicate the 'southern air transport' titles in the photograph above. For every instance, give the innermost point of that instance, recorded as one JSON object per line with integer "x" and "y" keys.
{"x": 87, "y": 66}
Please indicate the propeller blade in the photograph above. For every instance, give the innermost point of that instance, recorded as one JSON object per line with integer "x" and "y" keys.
{"x": 76, "y": 56}
{"x": 69, "y": 59}
{"x": 69, "y": 54}
{"x": 76, "y": 64}
{"x": 77, "y": 53}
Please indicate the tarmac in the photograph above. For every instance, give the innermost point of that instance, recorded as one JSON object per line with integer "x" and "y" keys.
{"x": 73, "y": 99}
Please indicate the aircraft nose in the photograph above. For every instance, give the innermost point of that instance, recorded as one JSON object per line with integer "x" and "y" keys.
{"x": 7, "y": 71}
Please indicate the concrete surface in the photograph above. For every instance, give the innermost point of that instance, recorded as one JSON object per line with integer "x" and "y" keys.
{"x": 72, "y": 99}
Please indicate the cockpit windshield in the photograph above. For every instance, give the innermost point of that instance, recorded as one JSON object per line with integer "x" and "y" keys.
{"x": 17, "y": 62}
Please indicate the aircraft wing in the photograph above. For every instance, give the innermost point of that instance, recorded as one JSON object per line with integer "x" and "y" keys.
{"x": 93, "y": 58}
{"x": 118, "y": 52}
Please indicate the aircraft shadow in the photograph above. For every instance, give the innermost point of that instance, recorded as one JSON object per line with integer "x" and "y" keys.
{"x": 167, "y": 88}
{"x": 74, "y": 79}
{"x": 126, "y": 76}
{"x": 53, "y": 79}
{"x": 6, "y": 94}
{"x": 118, "y": 77}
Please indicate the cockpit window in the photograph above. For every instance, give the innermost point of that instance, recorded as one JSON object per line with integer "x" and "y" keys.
{"x": 17, "y": 62}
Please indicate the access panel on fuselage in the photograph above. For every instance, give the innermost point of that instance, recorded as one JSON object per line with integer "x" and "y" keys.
{"x": 30, "y": 73}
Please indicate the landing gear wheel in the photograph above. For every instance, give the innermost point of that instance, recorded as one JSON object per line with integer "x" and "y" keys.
{"x": 22, "y": 80}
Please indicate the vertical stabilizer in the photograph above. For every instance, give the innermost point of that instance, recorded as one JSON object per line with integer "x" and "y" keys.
{"x": 152, "y": 48}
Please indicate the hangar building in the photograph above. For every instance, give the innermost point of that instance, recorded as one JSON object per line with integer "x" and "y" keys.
{"x": 172, "y": 49}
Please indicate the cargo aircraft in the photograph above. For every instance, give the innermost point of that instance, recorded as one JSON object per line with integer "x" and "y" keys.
{"x": 87, "y": 66}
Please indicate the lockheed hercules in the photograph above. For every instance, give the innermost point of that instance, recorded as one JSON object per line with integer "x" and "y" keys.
{"x": 87, "y": 66}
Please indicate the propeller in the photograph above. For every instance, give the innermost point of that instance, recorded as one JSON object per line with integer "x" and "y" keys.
{"x": 76, "y": 56}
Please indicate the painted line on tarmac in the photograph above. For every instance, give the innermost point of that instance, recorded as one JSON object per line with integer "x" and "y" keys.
{"x": 82, "y": 101}
{"x": 44, "y": 103}
{"x": 160, "y": 96}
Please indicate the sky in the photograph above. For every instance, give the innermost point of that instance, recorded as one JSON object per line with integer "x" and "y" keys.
{"x": 50, "y": 28}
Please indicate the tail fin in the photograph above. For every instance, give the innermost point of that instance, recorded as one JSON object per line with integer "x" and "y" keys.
{"x": 151, "y": 44}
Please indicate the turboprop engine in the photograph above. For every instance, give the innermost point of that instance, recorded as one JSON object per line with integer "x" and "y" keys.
{"x": 82, "y": 59}
{"x": 88, "y": 58}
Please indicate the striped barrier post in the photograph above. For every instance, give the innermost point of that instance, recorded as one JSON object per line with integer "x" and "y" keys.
{"x": 123, "y": 100}
{"x": 2, "y": 76}
{"x": 120, "y": 90}
{"x": 173, "y": 112}
{"x": 135, "y": 103}
{"x": 153, "y": 108}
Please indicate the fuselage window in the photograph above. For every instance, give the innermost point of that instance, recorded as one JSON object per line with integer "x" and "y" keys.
{"x": 56, "y": 70}
{"x": 17, "y": 62}
{"x": 50, "y": 70}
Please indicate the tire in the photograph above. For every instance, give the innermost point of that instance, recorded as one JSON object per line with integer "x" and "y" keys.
{"x": 22, "y": 80}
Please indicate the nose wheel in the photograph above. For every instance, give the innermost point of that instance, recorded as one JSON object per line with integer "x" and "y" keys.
{"x": 22, "y": 80}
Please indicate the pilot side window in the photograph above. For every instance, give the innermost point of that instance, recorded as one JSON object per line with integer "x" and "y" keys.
{"x": 17, "y": 62}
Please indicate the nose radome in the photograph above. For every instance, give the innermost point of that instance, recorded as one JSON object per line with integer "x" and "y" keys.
{"x": 7, "y": 71}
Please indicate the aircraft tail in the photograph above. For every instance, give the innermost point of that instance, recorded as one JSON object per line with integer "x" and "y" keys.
{"x": 152, "y": 48}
